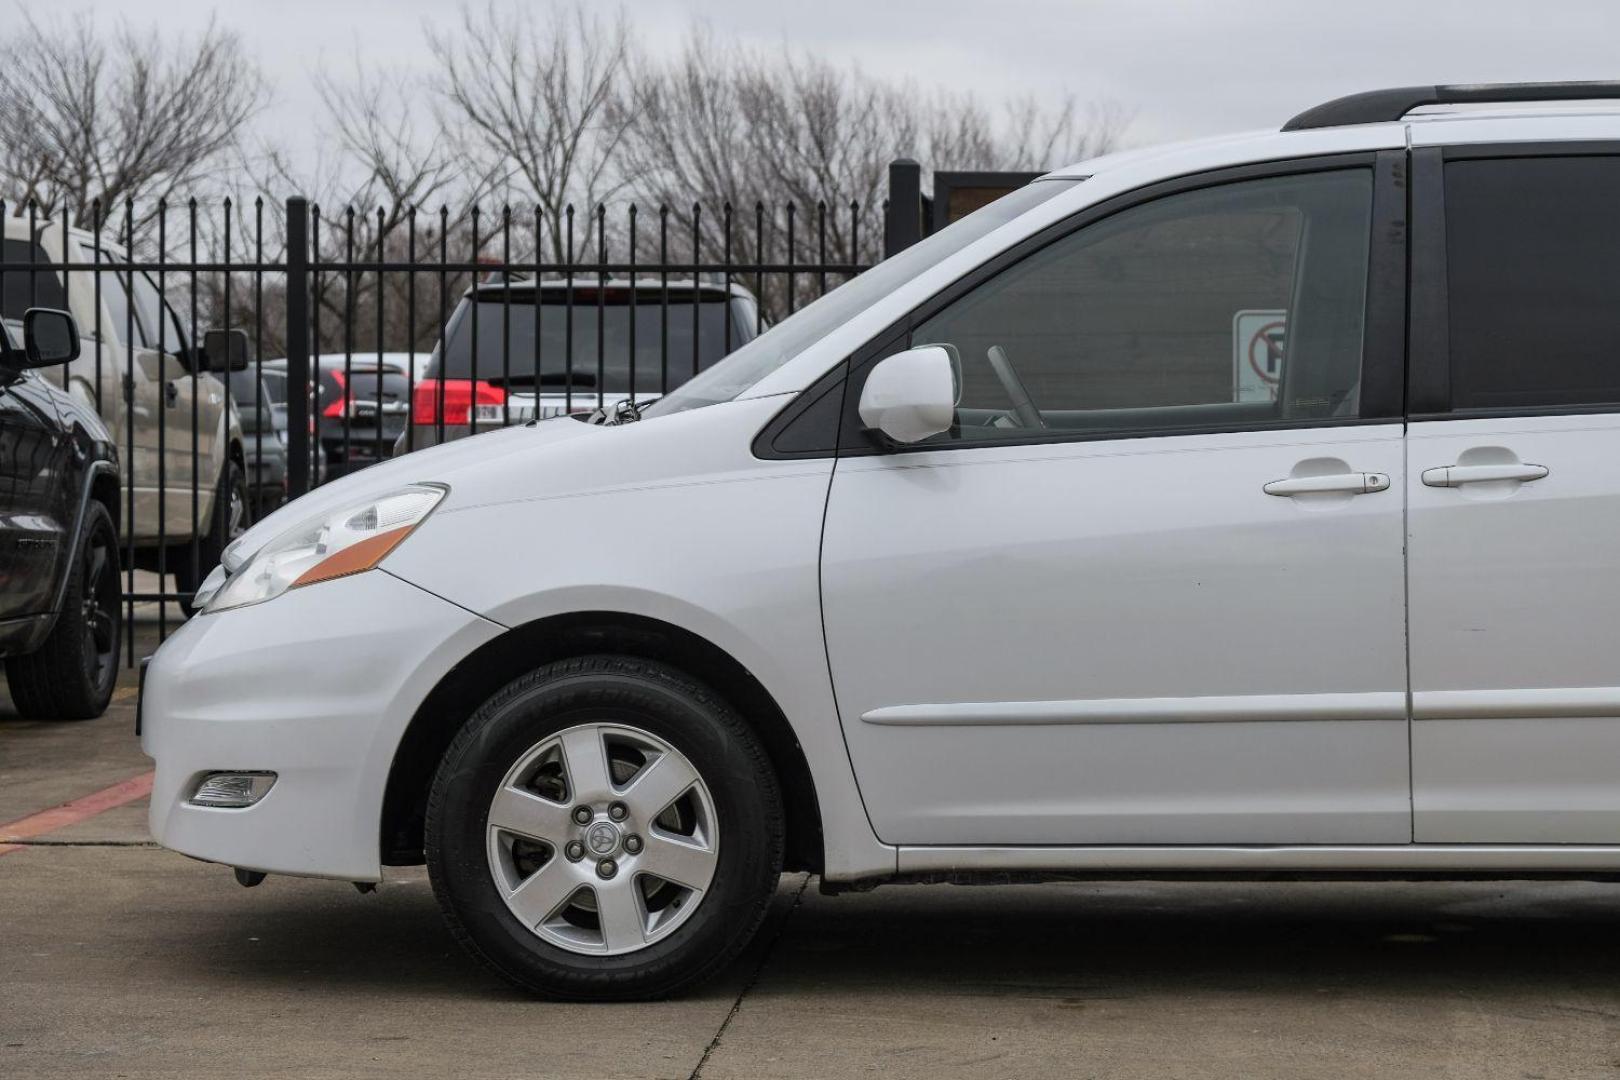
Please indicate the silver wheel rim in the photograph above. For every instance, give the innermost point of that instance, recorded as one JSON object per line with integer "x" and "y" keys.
{"x": 602, "y": 839}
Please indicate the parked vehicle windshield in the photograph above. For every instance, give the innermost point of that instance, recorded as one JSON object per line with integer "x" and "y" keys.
{"x": 594, "y": 338}
{"x": 23, "y": 289}
{"x": 748, "y": 365}
{"x": 275, "y": 386}
{"x": 255, "y": 401}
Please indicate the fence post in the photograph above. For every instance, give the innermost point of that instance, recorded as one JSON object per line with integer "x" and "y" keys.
{"x": 298, "y": 448}
{"x": 902, "y": 221}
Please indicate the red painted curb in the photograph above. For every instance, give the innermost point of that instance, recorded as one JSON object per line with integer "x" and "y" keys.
{"x": 71, "y": 813}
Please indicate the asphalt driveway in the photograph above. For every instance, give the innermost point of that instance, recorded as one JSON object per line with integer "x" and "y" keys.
{"x": 121, "y": 959}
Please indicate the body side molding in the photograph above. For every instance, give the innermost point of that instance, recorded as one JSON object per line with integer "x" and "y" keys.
{"x": 1380, "y": 705}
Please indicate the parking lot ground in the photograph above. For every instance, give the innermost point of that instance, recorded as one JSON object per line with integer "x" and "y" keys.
{"x": 121, "y": 959}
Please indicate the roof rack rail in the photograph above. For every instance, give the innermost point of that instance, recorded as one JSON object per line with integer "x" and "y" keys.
{"x": 1378, "y": 106}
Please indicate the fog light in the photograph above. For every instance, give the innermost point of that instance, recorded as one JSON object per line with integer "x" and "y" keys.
{"x": 233, "y": 790}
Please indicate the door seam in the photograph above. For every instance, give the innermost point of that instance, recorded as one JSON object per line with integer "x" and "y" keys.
{"x": 1406, "y": 628}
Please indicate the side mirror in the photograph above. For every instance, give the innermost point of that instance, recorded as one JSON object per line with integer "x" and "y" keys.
{"x": 912, "y": 395}
{"x": 50, "y": 337}
{"x": 225, "y": 350}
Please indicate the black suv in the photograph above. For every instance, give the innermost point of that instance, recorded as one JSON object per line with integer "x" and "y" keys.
{"x": 59, "y": 592}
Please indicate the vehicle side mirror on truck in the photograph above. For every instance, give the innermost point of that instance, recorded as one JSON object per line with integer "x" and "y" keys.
{"x": 225, "y": 350}
{"x": 50, "y": 337}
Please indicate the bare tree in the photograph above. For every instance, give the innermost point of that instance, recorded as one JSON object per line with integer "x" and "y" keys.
{"x": 1044, "y": 137}
{"x": 88, "y": 114}
{"x": 387, "y": 189}
{"x": 398, "y": 190}
{"x": 771, "y": 134}
{"x": 389, "y": 158}
{"x": 723, "y": 141}
{"x": 532, "y": 100}
{"x": 552, "y": 110}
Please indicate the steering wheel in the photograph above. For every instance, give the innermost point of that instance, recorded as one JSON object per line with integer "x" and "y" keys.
{"x": 1023, "y": 408}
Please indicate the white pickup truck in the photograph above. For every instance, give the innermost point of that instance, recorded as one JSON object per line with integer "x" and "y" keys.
{"x": 178, "y": 435}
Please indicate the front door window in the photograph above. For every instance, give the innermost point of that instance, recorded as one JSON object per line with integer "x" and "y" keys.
{"x": 1231, "y": 306}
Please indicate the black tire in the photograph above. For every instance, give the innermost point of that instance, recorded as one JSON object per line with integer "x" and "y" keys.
{"x": 657, "y": 699}
{"x": 71, "y": 676}
{"x": 232, "y": 494}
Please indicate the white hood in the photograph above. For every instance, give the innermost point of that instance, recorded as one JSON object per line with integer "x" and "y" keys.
{"x": 438, "y": 464}
{"x": 551, "y": 459}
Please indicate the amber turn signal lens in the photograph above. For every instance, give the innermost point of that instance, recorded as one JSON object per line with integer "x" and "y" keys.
{"x": 354, "y": 558}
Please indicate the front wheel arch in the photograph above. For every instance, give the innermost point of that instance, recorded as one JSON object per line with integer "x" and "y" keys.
{"x": 522, "y": 649}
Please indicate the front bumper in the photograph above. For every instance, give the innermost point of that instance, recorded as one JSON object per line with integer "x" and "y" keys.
{"x": 316, "y": 686}
{"x": 267, "y": 470}
{"x": 363, "y": 443}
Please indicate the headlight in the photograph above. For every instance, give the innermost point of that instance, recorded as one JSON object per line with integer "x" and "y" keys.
{"x": 340, "y": 542}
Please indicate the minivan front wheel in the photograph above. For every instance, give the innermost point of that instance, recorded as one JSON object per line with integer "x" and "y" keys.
{"x": 605, "y": 828}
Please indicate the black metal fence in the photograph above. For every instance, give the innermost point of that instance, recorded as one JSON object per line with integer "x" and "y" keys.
{"x": 674, "y": 262}
{"x": 373, "y": 334}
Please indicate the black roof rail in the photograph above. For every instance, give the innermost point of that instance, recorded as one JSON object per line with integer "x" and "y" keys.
{"x": 1378, "y": 106}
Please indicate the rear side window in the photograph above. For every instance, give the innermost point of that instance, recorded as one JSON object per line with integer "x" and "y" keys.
{"x": 155, "y": 311}
{"x": 1533, "y": 270}
{"x": 23, "y": 289}
{"x": 115, "y": 291}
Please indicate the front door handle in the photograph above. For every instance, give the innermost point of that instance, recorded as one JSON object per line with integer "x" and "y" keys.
{"x": 171, "y": 394}
{"x": 1450, "y": 476}
{"x": 1351, "y": 483}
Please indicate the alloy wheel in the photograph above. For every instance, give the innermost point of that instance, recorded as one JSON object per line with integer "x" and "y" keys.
{"x": 99, "y": 605}
{"x": 602, "y": 839}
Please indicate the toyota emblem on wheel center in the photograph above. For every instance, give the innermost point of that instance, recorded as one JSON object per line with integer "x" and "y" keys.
{"x": 602, "y": 838}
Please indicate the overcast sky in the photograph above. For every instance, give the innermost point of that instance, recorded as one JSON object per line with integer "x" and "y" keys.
{"x": 1182, "y": 67}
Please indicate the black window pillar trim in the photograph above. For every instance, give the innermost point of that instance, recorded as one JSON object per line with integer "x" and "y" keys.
{"x": 1428, "y": 391}
{"x": 1384, "y": 339}
{"x": 768, "y": 445}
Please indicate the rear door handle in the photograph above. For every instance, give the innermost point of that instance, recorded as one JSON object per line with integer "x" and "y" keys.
{"x": 1354, "y": 483}
{"x": 1450, "y": 476}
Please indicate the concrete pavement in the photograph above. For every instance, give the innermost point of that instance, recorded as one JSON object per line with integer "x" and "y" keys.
{"x": 120, "y": 959}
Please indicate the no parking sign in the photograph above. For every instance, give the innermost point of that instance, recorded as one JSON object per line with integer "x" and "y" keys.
{"x": 1258, "y": 340}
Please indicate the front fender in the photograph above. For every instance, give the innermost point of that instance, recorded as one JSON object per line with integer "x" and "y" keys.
{"x": 731, "y": 557}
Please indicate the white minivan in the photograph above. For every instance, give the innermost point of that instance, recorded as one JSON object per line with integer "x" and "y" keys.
{"x": 1246, "y": 506}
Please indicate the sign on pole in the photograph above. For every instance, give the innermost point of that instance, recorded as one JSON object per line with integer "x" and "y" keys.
{"x": 1258, "y": 342}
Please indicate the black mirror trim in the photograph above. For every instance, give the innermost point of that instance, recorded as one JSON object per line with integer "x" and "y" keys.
{"x": 223, "y": 351}
{"x": 31, "y": 344}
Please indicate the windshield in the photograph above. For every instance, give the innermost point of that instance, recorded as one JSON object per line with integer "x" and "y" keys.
{"x": 244, "y": 387}
{"x": 748, "y": 365}
{"x": 253, "y": 411}
{"x": 275, "y": 386}
{"x": 670, "y": 344}
{"x": 24, "y": 289}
